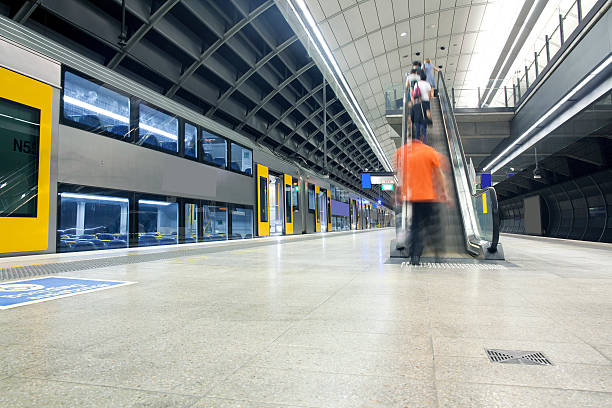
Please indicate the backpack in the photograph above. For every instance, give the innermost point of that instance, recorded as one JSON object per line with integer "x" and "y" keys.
{"x": 416, "y": 92}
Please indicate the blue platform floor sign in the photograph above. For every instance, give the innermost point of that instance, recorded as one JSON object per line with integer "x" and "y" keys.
{"x": 25, "y": 292}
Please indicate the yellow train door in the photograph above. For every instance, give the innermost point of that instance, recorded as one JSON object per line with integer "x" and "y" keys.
{"x": 328, "y": 212}
{"x": 317, "y": 210}
{"x": 288, "y": 205}
{"x": 263, "y": 206}
{"x": 25, "y": 162}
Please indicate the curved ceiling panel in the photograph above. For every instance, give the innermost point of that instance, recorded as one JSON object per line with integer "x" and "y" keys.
{"x": 235, "y": 61}
{"x": 375, "y": 42}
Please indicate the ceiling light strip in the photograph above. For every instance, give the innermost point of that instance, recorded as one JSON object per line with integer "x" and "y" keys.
{"x": 35, "y": 42}
{"x": 547, "y": 115}
{"x": 512, "y": 52}
{"x": 315, "y": 40}
{"x": 563, "y": 118}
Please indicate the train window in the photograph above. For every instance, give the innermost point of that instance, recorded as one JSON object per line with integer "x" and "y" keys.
{"x": 241, "y": 159}
{"x": 288, "y": 212}
{"x": 19, "y": 137}
{"x": 242, "y": 223}
{"x": 95, "y": 108}
{"x": 191, "y": 223}
{"x": 157, "y": 223}
{"x": 92, "y": 222}
{"x": 191, "y": 140}
{"x": 296, "y": 192}
{"x": 157, "y": 129}
{"x": 311, "y": 198}
{"x": 263, "y": 199}
{"x": 215, "y": 222}
{"x": 215, "y": 149}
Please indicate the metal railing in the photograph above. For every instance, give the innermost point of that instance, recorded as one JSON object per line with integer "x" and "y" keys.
{"x": 556, "y": 32}
{"x": 504, "y": 97}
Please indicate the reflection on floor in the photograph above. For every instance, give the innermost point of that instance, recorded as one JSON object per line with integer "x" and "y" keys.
{"x": 320, "y": 323}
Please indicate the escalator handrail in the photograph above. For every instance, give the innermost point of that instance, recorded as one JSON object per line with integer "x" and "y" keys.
{"x": 465, "y": 189}
{"x": 454, "y": 123}
{"x": 406, "y": 100}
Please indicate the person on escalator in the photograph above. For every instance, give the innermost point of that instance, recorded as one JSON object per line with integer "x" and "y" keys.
{"x": 429, "y": 69}
{"x": 422, "y": 90}
{"x": 413, "y": 78}
{"x": 423, "y": 186}
{"x": 417, "y": 117}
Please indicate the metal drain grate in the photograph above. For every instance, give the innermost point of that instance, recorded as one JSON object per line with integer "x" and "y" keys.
{"x": 517, "y": 357}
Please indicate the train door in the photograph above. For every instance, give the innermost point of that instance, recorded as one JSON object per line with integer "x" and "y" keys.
{"x": 321, "y": 198}
{"x": 317, "y": 209}
{"x": 288, "y": 208}
{"x": 263, "y": 209}
{"x": 328, "y": 210}
{"x": 25, "y": 162}
{"x": 276, "y": 200}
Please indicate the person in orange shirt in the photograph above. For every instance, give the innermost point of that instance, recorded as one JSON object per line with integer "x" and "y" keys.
{"x": 423, "y": 186}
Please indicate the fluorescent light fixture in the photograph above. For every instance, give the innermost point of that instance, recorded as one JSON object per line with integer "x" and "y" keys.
{"x": 514, "y": 43}
{"x": 151, "y": 202}
{"x": 19, "y": 120}
{"x": 158, "y": 131}
{"x": 581, "y": 103}
{"x": 116, "y": 116}
{"x": 2, "y": 185}
{"x": 327, "y": 57}
{"x": 96, "y": 109}
{"x": 564, "y": 117}
{"x": 93, "y": 197}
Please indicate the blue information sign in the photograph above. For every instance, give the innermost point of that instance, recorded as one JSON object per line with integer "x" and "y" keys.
{"x": 24, "y": 292}
{"x": 366, "y": 180}
{"x": 485, "y": 180}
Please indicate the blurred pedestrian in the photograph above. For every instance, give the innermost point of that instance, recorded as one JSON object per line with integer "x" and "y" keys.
{"x": 413, "y": 78}
{"x": 417, "y": 117}
{"x": 422, "y": 90}
{"x": 423, "y": 186}
{"x": 420, "y": 113}
{"x": 429, "y": 69}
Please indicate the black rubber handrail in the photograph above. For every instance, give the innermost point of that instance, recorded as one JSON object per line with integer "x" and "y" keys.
{"x": 452, "y": 116}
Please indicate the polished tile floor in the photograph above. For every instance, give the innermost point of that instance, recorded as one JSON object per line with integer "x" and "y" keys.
{"x": 320, "y": 323}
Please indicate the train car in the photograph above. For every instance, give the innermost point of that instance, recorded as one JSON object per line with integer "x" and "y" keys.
{"x": 94, "y": 161}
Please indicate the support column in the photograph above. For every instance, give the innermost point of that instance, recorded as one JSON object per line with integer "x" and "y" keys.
{"x": 80, "y": 218}
{"x": 123, "y": 225}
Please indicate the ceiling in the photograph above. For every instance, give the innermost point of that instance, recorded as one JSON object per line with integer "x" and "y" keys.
{"x": 235, "y": 61}
{"x": 375, "y": 41}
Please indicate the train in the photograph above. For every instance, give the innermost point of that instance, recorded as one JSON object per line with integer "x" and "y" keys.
{"x": 92, "y": 160}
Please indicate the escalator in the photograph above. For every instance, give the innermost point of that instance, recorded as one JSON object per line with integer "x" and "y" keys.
{"x": 469, "y": 226}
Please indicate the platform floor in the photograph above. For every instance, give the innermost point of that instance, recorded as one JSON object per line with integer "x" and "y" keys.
{"x": 321, "y": 323}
